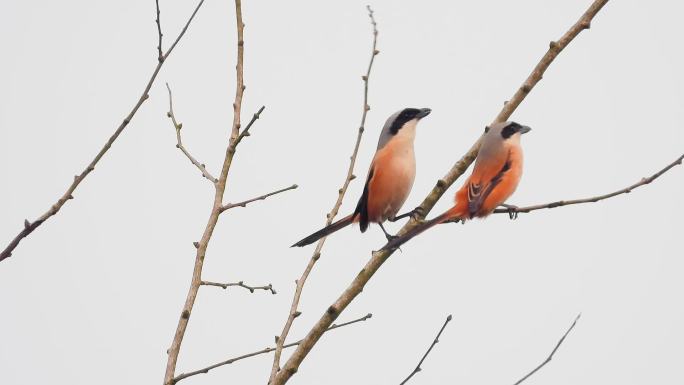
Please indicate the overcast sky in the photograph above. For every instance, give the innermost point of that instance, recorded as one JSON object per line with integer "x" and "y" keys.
{"x": 94, "y": 295}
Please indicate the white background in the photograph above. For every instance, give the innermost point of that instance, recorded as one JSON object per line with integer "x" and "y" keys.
{"x": 93, "y": 296}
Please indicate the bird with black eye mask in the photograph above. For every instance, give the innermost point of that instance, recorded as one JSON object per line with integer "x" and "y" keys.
{"x": 496, "y": 174}
{"x": 389, "y": 178}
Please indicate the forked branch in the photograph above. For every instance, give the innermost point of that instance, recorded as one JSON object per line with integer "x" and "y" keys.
{"x": 29, "y": 227}
{"x": 263, "y": 351}
{"x": 378, "y": 258}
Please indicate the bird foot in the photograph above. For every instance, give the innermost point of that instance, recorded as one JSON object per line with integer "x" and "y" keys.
{"x": 512, "y": 211}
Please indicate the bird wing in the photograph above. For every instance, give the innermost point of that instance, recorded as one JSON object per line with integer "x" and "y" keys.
{"x": 480, "y": 188}
{"x": 362, "y": 207}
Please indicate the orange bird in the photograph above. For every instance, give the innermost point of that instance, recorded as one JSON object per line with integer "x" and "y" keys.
{"x": 495, "y": 177}
{"x": 389, "y": 179}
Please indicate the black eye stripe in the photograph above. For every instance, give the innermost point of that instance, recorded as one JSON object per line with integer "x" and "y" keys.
{"x": 404, "y": 116}
{"x": 510, "y": 129}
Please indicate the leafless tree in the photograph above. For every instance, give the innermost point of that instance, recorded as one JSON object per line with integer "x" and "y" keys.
{"x": 280, "y": 373}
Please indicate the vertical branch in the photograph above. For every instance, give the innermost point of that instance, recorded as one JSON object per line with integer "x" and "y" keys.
{"x": 216, "y": 210}
{"x": 294, "y": 312}
{"x": 378, "y": 258}
{"x": 160, "y": 56}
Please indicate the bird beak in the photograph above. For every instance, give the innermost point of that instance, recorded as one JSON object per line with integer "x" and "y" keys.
{"x": 423, "y": 113}
{"x": 524, "y": 130}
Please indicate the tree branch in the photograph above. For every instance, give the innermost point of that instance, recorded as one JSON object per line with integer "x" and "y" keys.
{"x": 29, "y": 227}
{"x": 294, "y": 313}
{"x": 251, "y": 289}
{"x": 263, "y": 351}
{"x": 160, "y": 56}
{"x": 245, "y": 132}
{"x": 220, "y": 187}
{"x": 548, "y": 359}
{"x": 259, "y": 198}
{"x": 514, "y": 210}
{"x": 179, "y": 144}
{"x": 378, "y": 258}
{"x": 434, "y": 342}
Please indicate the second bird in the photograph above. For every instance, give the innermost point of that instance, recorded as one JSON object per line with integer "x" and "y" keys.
{"x": 389, "y": 179}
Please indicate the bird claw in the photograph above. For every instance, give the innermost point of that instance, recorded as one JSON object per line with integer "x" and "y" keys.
{"x": 512, "y": 211}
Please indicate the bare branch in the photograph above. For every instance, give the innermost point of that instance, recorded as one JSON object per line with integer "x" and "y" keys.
{"x": 29, "y": 227}
{"x": 294, "y": 313}
{"x": 220, "y": 187}
{"x": 263, "y": 351}
{"x": 514, "y": 210}
{"x": 245, "y": 132}
{"x": 251, "y": 289}
{"x": 548, "y": 359}
{"x": 434, "y": 342}
{"x": 259, "y": 198}
{"x": 159, "y": 32}
{"x": 378, "y": 258}
{"x": 179, "y": 144}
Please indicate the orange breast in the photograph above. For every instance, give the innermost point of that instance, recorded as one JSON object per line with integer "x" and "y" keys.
{"x": 393, "y": 175}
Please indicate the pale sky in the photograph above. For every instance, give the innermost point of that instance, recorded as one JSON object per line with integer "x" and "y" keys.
{"x": 93, "y": 296}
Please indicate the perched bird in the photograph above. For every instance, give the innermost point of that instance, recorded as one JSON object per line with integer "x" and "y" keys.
{"x": 495, "y": 177}
{"x": 389, "y": 179}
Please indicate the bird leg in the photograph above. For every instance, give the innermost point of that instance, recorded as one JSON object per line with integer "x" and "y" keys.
{"x": 415, "y": 213}
{"x": 512, "y": 210}
{"x": 387, "y": 235}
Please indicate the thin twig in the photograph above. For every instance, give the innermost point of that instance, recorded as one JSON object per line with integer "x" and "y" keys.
{"x": 245, "y": 132}
{"x": 514, "y": 210}
{"x": 434, "y": 342}
{"x": 259, "y": 198}
{"x": 378, "y": 258}
{"x": 263, "y": 351}
{"x": 251, "y": 289}
{"x": 179, "y": 144}
{"x": 294, "y": 313}
{"x": 548, "y": 359}
{"x": 220, "y": 188}
{"x": 29, "y": 227}
{"x": 159, "y": 32}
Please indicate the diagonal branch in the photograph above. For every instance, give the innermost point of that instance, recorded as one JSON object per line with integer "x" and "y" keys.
{"x": 514, "y": 210}
{"x": 263, "y": 351}
{"x": 378, "y": 258}
{"x": 29, "y": 227}
{"x": 434, "y": 342}
{"x": 245, "y": 132}
{"x": 259, "y": 198}
{"x": 179, "y": 144}
{"x": 548, "y": 359}
{"x": 251, "y": 289}
{"x": 294, "y": 313}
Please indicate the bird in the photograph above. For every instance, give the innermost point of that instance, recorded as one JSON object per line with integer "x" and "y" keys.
{"x": 495, "y": 176}
{"x": 389, "y": 178}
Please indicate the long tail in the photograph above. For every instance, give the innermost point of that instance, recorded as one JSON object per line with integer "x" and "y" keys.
{"x": 344, "y": 222}
{"x": 397, "y": 242}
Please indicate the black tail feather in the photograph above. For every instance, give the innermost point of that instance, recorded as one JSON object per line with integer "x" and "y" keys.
{"x": 344, "y": 222}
